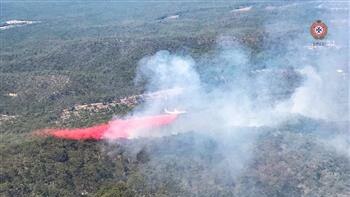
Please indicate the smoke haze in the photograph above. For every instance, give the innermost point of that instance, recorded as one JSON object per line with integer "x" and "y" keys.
{"x": 233, "y": 95}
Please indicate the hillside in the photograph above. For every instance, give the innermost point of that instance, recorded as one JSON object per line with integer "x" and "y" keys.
{"x": 266, "y": 115}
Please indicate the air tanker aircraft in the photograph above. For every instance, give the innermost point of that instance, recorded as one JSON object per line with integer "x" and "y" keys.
{"x": 117, "y": 129}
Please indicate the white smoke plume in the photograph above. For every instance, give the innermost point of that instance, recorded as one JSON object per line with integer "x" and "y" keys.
{"x": 223, "y": 97}
{"x": 226, "y": 90}
{"x": 230, "y": 94}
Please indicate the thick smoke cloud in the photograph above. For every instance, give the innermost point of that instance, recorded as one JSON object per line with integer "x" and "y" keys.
{"x": 231, "y": 94}
{"x": 227, "y": 93}
{"x": 225, "y": 97}
{"x": 227, "y": 90}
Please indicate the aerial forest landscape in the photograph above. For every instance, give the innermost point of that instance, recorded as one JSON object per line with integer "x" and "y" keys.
{"x": 127, "y": 98}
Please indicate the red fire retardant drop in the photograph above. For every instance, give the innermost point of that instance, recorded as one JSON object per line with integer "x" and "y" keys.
{"x": 114, "y": 129}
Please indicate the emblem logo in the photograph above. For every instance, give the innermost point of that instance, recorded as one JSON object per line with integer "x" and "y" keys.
{"x": 318, "y": 30}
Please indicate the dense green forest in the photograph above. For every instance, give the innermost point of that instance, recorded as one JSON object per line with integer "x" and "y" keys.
{"x": 88, "y": 52}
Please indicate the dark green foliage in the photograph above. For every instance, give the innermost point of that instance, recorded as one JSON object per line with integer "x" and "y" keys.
{"x": 88, "y": 52}
{"x": 283, "y": 163}
{"x": 142, "y": 156}
{"x": 114, "y": 190}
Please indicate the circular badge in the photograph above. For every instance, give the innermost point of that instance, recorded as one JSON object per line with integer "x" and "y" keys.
{"x": 318, "y": 30}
